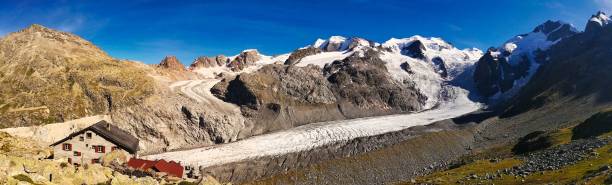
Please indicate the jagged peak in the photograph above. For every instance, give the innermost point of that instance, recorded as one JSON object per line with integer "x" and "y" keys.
{"x": 171, "y": 62}
{"x": 600, "y": 17}
{"x": 597, "y": 21}
{"x": 552, "y": 26}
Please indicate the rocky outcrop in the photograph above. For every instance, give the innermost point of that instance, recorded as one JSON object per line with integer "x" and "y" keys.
{"x": 176, "y": 122}
{"x": 597, "y": 22}
{"x": 440, "y": 66}
{"x": 172, "y": 63}
{"x": 207, "y": 62}
{"x": 280, "y": 96}
{"x": 416, "y": 49}
{"x": 244, "y": 59}
{"x": 493, "y": 74}
{"x": 364, "y": 83}
{"x": 299, "y": 54}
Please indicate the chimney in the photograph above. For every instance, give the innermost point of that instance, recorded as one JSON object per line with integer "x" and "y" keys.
{"x": 108, "y": 126}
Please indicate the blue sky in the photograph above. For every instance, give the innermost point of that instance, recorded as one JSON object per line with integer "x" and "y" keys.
{"x": 148, "y": 30}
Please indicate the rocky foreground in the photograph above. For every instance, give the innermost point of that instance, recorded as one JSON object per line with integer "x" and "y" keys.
{"x": 557, "y": 157}
{"x": 23, "y": 161}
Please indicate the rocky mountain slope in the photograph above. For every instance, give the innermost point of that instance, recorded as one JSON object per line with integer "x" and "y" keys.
{"x": 564, "y": 107}
{"x": 50, "y": 76}
{"x": 585, "y": 57}
{"x": 344, "y": 78}
{"x": 503, "y": 70}
{"x": 561, "y": 108}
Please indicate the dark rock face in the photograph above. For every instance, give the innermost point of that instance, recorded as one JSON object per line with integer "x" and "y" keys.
{"x": 282, "y": 96}
{"x": 493, "y": 74}
{"x": 578, "y": 67}
{"x": 406, "y": 67}
{"x": 171, "y": 62}
{"x": 555, "y": 30}
{"x": 440, "y": 66}
{"x": 597, "y": 22}
{"x": 206, "y": 62}
{"x": 299, "y": 54}
{"x": 275, "y": 83}
{"x": 243, "y": 60}
{"x": 365, "y": 82}
{"x": 415, "y": 50}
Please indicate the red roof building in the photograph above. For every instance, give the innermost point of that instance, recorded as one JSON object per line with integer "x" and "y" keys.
{"x": 171, "y": 168}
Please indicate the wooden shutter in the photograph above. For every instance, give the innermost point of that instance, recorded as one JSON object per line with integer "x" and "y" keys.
{"x": 67, "y": 147}
{"x": 102, "y": 149}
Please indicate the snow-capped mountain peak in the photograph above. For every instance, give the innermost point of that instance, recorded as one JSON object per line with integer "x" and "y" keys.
{"x": 516, "y": 60}
{"x": 340, "y": 43}
{"x": 600, "y": 18}
{"x": 597, "y": 22}
{"x": 432, "y": 43}
{"x": 318, "y": 43}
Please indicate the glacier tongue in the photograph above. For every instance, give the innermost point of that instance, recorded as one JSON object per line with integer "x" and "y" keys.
{"x": 447, "y": 98}
{"x": 316, "y": 135}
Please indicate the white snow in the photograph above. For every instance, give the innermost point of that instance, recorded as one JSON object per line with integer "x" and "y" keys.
{"x": 342, "y": 42}
{"x": 212, "y": 72}
{"x": 425, "y": 73}
{"x": 318, "y": 43}
{"x": 316, "y": 135}
{"x": 450, "y": 101}
{"x": 601, "y": 19}
{"x": 524, "y": 45}
{"x": 323, "y": 58}
{"x": 510, "y": 47}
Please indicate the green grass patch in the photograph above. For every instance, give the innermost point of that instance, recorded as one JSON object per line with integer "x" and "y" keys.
{"x": 479, "y": 168}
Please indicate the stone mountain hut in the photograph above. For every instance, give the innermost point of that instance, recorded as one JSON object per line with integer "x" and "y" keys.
{"x": 92, "y": 143}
